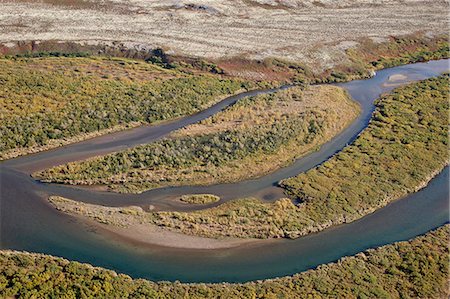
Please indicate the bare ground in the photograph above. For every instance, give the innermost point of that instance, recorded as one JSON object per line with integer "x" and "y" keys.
{"x": 130, "y": 223}
{"x": 308, "y": 31}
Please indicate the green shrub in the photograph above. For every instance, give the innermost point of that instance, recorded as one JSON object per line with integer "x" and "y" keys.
{"x": 50, "y": 99}
{"x": 199, "y": 198}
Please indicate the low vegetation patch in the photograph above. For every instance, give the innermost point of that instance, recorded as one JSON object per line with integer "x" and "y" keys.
{"x": 254, "y": 137}
{"x": 358, "y": 61}
{"x": 52, "y": 98}
{"x": 199, "y": 198}
{"x": 249, "y": 218}
{"x": 370, "y": 55}
{"x": 119, "y": 217}
{"x": 412, "y": 269}
{"x": 50, "y": 101}
{"x": 401, "y": 50}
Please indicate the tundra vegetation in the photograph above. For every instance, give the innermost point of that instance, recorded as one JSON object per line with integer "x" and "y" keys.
{"x": 251, "y": 138}
{"x": 370, "y": 55}
{"x": 411, "y": 269}
{"x": 400, "y": 50}
{"x": 49, "y": 101}
{"x": 359, "y": 60}
{"x": 199, "y": 198}
{"x": 408, "y": 128}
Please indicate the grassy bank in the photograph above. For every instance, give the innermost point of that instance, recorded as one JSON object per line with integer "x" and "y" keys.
{"x": 370, "y": 55}
{"x": 357, "y": 61}
{"x": 412, "y": 269}
{"x": 254, "y": 137}
{"x": 54, "y": 93}
{"x": 49, "y": 101}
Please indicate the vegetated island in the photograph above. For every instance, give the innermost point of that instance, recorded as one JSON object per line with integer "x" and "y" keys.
{"x": 411, "y": 269}
{"x": 255, "y": 136}
{"x": 51, "y": 101}
{"x": 199, "y": 199}
{"x": 408, "y": 128}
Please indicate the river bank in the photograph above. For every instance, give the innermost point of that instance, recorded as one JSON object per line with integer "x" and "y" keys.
{"x": 388, "y": 271}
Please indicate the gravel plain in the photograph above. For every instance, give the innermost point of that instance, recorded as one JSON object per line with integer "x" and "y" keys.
{"x": 299, "y": 30}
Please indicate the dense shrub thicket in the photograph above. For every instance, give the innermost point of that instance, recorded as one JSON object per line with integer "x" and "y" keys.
{"x": 410, "y": 269}
{"x": 46, "y": 100}
{"x": 226, "y": 147}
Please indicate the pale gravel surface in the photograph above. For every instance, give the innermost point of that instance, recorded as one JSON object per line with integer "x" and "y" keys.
{"x": 130, "y": 223}
{"x": 289, "y": 29}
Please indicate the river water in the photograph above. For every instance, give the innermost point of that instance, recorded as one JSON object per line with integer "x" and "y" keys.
{"x": 29, "y": 223}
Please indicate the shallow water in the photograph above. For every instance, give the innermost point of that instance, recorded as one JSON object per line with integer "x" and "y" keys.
{"x": 29, "y": 223}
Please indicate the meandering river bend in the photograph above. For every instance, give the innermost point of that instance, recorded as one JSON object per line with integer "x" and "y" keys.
{"x": 28, "y": 222}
